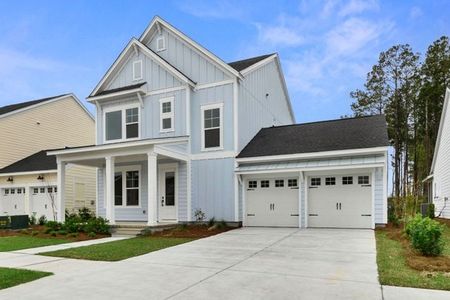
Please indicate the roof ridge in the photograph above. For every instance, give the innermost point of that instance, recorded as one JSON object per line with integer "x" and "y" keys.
{"x": 325, "y": 121}
{"x": 35, "y": 100}
{"x": 250, "y": 58}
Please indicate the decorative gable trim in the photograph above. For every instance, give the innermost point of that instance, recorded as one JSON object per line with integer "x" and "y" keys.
{"x": 158, "y": 21}
{"x": 441, "y": 128}
{"x": 135, "y": 45}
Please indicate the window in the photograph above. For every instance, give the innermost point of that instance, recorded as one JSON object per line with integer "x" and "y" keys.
{"x": 19, "y": 191}
{"x": 347, "y": 180}
{"x": 212, "y": 127}
{"x": 292, "y": 183}
{"x": 253, "y": 184}
{"x": 12, "y": 191}
{"x": 315, "y": 181}
{"x": 363, "y": 179}
{"x": 166, "y": 114}
{"x": 160, "y": 43}
{"x": 42, "y": 190}
{"x": 49, "y": 190}
{"x": 122, "y": 124}
{"x": 126, "y": 186}
{"x": 279, "y": 183}
{"x": 132, "y": 122}
{"x": 55, "y": 189}
{"x": 265, "y": 183}
{"x": 137, "y": 70}
{"x": 35, "y": 190}
{"x": 330, "y": 181}
{"x": 6, "y": 191}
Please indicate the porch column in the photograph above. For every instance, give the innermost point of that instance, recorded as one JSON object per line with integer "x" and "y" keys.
{"x": 60, "y": 195}
{"x": 109, "y": 190}
{"x": 152, "y": 177}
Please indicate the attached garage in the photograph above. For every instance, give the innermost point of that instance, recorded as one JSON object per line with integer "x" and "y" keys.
{"x": 330, "y": 174}
{"x": 12, "y": 201}
{"x": 43, "y": 201}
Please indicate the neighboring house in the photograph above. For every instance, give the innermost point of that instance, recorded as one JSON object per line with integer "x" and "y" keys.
{"x": 27, "y": 174}
{"x": 439, "y": 179}
{"x": 171, "y": 119}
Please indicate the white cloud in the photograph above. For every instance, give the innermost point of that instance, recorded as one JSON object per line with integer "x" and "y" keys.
{"x": 357, "y": 7}
{"x": 214, "y": 9}
{"x": 415, "y": 12}
{"x": 279, "y": 35}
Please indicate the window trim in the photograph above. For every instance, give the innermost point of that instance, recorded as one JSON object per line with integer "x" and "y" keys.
{"x": 141, "y": 76}
{"x": 124, "y": 171}
{"x": 202, "y": 119}
{"x": 170, "y": 115}
{"x": 163, "y": 39}
{"x": 122, "y": 109}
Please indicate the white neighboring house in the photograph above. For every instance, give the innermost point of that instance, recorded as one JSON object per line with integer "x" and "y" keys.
{"x": 176, "y": 130}
{"x": 27, "y": 174}
{"x": 439, "y": 177}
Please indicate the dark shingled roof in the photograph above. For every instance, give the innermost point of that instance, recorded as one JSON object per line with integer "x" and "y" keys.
{"x": 120, "y": 89}
{"x": 245, "y": 63}
{"x": 13, "y": 107}
{"x": 341, "y": 134}
{"x": 38, "y": 161}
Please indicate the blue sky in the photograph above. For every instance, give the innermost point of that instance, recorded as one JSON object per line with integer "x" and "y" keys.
{"x": 326, "y": 47}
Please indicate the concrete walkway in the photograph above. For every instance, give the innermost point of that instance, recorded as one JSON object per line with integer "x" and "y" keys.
{"x": 248, "y": 263}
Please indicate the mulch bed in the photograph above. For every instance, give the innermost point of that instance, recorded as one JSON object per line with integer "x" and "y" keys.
{"x": 41, "y": 234}
{"x": 414, "y": 259}
{"x": 190, "y": 231}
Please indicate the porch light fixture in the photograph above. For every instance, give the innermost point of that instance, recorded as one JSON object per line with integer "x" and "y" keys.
{"x": 10, "y": 179}
{"x": 40, "y": 177}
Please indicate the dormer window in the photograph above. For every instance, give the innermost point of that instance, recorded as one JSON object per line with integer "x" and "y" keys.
{"x": 160, "y": 43}
{"x": 137, "y": 70}
{"x": 121, "y": 124}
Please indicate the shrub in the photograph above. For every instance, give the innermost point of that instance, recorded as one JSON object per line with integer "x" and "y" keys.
{"x": 199, "y": 215}
{"x": 53, "y": 233}
{"x": 97, "y": 225}
{"x": 32, "y": 219}
{"x": 73, "y": 224}
{"x": 34, "y": 233}
{"x": 85, "y": 214}
{"x": 53, "y": 225}
{"x": 42, "y": 220}
{"x": 222, "y": 224}
{"x": 73, "y": 234}
{"x": 62, "y": 232}
{"x": 211, "y": 222}
{"x": 92, "y": 234}
{"x": 425, "y": 235}
{"x": 430, "y": 211}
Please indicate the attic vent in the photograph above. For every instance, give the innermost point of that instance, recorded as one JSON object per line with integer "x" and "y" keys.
{"x": 137, "y": 70}
{"x": 160, "y": 43}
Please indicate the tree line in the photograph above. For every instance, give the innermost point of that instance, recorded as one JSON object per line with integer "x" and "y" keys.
{"x": 409, "y": 89}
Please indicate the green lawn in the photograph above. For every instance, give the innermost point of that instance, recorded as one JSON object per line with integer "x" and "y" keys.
{"x": 11, "y": 277}
{"x": 393, "y": 269}
{"x": 11, "y": 243}
{"x": 118, "y": 250}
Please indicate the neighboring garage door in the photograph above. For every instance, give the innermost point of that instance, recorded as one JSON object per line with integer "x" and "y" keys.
{"x": 13, "y": 201}
{"x": 41, "y": 201}
{"x": 272, "y": 202}
{"x": 343, "y": 201}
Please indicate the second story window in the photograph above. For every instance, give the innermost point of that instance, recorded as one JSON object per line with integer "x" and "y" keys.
{"x": 212, "y": 129}
{"x": 166, "y": 114}
{"x": 122, "y": 124}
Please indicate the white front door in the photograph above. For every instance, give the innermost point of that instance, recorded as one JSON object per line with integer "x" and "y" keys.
{"x": 167, "y": 194}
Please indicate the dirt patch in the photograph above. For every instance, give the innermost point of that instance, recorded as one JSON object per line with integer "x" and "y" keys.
{"x": 414, "y": 259}
{"x": 39, "y": 231}
{"x": 190, "y": 231}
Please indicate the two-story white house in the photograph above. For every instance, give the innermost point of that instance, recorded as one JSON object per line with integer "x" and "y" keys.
{"x": 171, "y": 121}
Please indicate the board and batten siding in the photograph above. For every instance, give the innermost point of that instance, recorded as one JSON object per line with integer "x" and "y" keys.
{"x": 255, "y": 109}
{"x": 187, "y": 59}
{"x": 48, "y": 126}
{"x": 213, "y": 188}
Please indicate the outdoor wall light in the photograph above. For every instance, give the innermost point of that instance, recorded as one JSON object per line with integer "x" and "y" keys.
{"x": 40, "y": 177}
{"x": 10, "y": 179}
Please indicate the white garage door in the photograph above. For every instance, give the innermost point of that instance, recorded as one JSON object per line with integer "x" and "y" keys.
{"x": 343, "y": 201}
{"x": 272, "y": 202}
{"x": 41, "y": 201}
{"x": 12, "y": 201}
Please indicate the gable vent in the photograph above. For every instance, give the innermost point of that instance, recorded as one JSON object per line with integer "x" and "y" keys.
{"x": 160, "y": 43}
{"x": 137, "y": 70}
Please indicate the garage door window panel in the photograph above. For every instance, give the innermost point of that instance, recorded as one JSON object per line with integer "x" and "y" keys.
{"x": 292, "y": 183}
{"x": 252, "y": 184}
{"x": 316, "y": 181}
{"x": 6, "y": 192}
{"x": 363, "y": 180}
{"x": 347, "y": 180}
{"x": 279, "y": 183}
{"x": 330, "y": 181}
{"x": 265, "y": 184}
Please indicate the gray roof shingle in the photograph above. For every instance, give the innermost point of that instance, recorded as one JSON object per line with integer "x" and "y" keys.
{"x": 10, "y": 108}
{"x": 38, "y": 161}
{"x": 245, "y": 63}
{"x": 340, "y": 134}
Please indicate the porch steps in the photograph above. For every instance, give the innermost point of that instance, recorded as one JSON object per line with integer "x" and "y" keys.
{"x": 135, "y": 229}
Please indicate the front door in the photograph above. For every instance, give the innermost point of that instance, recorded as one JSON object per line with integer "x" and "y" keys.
{"x": 167, "y": 194}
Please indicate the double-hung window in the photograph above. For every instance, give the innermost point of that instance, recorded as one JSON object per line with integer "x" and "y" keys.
{"x": 212, "y": 127}
{"x": 127, "y": 186}
{"x": 122, "y": 124}
{"x": 166, "y": 114}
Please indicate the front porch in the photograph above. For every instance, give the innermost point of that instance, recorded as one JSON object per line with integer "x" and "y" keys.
{"x": 143, "y": 182}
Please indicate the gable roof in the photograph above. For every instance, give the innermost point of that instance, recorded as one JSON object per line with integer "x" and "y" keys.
{"x": 243, "y": 64}
{"x": 134, "y": 43}
{"x": 38, "y": 161}
{"x": 158, "y": 21}
{"x": 340, "y": 134}
{"x": 13, "y": 107}
{"x": 441, "y": 127}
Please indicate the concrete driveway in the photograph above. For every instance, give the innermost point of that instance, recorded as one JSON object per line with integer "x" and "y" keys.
{"x": 248, "y": 263}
